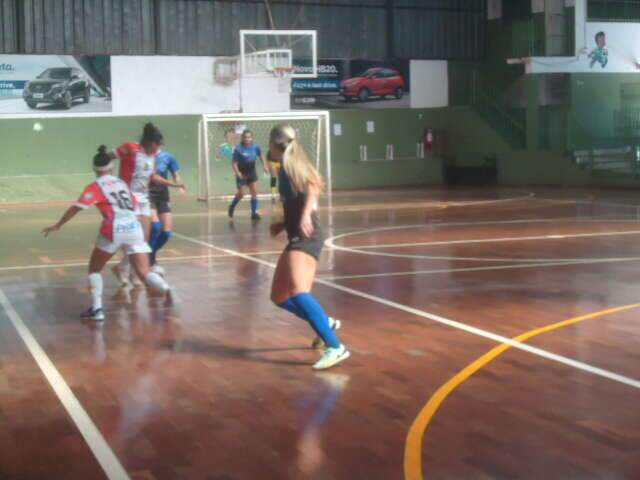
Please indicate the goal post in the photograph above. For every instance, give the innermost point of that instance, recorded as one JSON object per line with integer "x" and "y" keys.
{"x": 218, "y": 134}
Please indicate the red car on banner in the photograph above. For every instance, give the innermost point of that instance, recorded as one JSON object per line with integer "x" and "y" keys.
{"x": 374, "y": 82}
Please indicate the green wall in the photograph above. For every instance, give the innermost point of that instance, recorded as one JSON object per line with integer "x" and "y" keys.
{"x": 403, "y": 128}
{"x": 594, "y": 99}
{"x": 55, "y": 162}
{"x": 540, "y": 168}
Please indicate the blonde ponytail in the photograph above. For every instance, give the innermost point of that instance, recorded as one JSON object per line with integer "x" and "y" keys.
{"x": 297, "y": 165}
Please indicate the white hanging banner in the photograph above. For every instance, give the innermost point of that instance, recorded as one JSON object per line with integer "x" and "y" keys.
{"x": 610, "y": 48}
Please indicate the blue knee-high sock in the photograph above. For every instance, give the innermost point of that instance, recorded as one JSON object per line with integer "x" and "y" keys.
{"x": 316, "y": 316}
{"x": 156, "y": 227}
{"x": 155, "y": 231}
{"x": 289, "y": 306}
{"x": 235, "y": 201}
{"x": 254, "y": 205}
{"x": 161, "y": 240}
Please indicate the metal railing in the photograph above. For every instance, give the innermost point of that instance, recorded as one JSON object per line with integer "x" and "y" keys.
{"x": 613, "y": 10}
{"x": 626, "y": 122}
{"x": 489, "y": 105}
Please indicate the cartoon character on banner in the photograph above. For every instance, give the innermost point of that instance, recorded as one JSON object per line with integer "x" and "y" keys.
{"x": 600, "y": 54}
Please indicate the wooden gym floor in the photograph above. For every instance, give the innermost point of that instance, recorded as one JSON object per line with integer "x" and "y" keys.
{"x": 494, "y": 335}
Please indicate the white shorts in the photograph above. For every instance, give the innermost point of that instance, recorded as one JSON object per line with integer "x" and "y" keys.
{"x": 130, "y": 244}
{"x": 143, "y": 208}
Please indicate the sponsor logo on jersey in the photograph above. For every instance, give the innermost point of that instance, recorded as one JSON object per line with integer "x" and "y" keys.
{"x": 88, "y": 196}
{"x": 127, "y": 227}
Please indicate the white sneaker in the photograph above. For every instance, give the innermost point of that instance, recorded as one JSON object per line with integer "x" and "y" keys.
{"x": 121, "y": 276}
{"x": 159, "y": 270}
{"x": 93, "y": 314}
{"x": 334, "y": 324}
{"x": 331, "y": 357}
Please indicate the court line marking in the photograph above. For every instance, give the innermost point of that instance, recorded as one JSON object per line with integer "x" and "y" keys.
{"x": 588, "y": 202}
{"x": 330, "y": 243}
{"x": 558, "y": 236}
{"x": 479, "y": 269}
{"x": 528, "y": 196}
{"x": 92, "y": 436}
{"x": 396, "y": 227}
{"x": 112, "y": 262}
{"x": 45, "y": 175}
{"x": 413, "y": 447}
{"x": 572, "y": 219}
{"x": 61, "y": 266}
{"x": 433, "y": 203}
{"x": 444, "y": 321}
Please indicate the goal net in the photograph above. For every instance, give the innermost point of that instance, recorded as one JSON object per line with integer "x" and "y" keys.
{"x": 219, "y": 134}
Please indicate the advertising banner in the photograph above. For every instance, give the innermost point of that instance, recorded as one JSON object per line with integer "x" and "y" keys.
{"x": 354, "y": 84}
{"x": 54, "y": 83}
{"x": 609, "y": 48}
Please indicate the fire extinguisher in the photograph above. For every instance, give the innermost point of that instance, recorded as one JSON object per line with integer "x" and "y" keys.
{"x": 428, "y": 139}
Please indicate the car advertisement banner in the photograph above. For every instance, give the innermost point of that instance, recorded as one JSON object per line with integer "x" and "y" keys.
{"x": 354, "y": 84}
{"x": 54, "y": 83}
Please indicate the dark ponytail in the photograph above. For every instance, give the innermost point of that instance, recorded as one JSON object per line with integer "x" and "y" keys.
{"x": 151, "y": 134}
{"x": 101, "y": 159}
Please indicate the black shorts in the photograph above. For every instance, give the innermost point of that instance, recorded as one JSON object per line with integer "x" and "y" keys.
{"x": 247, "y": 179}
{"x": 311, "y": 246}
{"x": 159, "y": 199}
{"x": 158, "y": 192}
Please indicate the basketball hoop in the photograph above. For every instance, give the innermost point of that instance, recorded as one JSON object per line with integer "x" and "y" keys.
{"x": 283, "y": 74}
{"x": 225, "y": 70}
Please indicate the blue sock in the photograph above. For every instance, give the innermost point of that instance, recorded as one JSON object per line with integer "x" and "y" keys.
{"x": 254, "y": 205}
{"x": 316, "y": 316}
{"x": 160, "y": 242}
{"x": 289, "y": 306}
{"x": 155, "y": 231}
{"x": 235, "y": 202}
{"x": 156, "y": 227}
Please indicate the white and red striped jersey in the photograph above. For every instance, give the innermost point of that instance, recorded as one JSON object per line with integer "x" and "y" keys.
{"x": 116, "y": 204}
{"x": 136, "y": 168}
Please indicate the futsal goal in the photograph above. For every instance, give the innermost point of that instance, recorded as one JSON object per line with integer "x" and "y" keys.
{"x": 218, "y": 134}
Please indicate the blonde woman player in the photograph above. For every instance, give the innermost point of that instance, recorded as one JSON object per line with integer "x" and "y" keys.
{"x": 120, "y": 229}
{"x": 300, "y": 185}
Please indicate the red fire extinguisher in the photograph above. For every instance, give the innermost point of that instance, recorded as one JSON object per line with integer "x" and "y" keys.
{"x": 428, "y": 139}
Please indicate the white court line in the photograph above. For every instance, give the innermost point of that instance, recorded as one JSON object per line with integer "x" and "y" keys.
{"x": 500, "y": 239}
{"x": 588, "y": 202}
{"x": 471, "y": 203}
{"x": 330, "y": 243}
{"x": 353, "y": 208}
{"x": 445, "y": 321}
{"x": 480, "y": 269}
{"x": 45, "y": 175}
{"x": 437, "y": 225}
{"x": 96, "y": 442}
{"x": 112, "y": 262}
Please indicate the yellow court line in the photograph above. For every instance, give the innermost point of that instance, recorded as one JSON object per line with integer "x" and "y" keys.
{"x": 413, "y": 447}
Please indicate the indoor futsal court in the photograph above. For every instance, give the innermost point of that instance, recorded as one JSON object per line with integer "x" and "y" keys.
{"x": 319, "y": 240}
